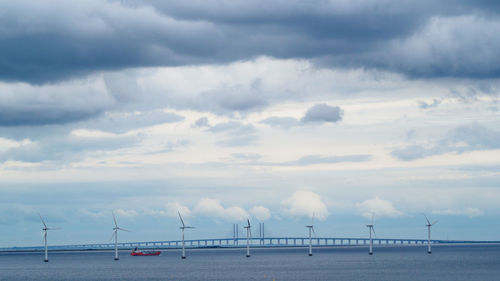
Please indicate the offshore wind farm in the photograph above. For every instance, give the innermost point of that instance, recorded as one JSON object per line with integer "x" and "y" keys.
{"x": 261, "y": 241}
{"x": 276, "y": 256}
{"x": 249, "y": 140}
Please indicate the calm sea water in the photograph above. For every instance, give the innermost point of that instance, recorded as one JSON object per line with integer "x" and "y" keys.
{"x": 468, "y": 263}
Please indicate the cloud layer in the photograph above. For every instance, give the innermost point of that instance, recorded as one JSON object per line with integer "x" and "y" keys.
{"x": 305, "y": 204}
{"x": 420, "y": 39}
{"x": 466, "y": 138}
{"x": 378, "y": 208}
{"x": 221, "y": 109}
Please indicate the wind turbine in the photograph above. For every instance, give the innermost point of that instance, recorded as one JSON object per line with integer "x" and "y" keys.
{"x": 429, "y": 224}
{"x": 311, "y": 229}
{"x": 45, "y": 229}
{"x": 183, "y": 227}
{"x": 115, "y": 234}
{"x": 249, "y": 236}
{"x": 371, "y": 229}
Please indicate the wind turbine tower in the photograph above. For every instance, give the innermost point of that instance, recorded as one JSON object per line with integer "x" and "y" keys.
{"x": 371, "y": 229}
{"x": 45, "y": 229}
{"x": 249, "y": 236}
{"x": 115, "y": 234}
{"x": 182, "y": 228}
{"x": 429, "y": 224}
{"x": 311, "y": 230}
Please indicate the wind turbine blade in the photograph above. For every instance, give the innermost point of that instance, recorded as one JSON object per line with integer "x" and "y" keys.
{"x": 112, "y": 236}
{"x": 434, "y": 222}
{"x": 314, "y": 232}
{"x": 42, "y": 220}
{"x": 374, "y": 234}
{"x": 53, "y": 228}
{"x": 182, "y": 221}
{"x": 114, "y": 218}
{"x": 189, "y": 227}
{"x": 373, "y": 217}
{"x": 428, "y": 222}
{"x": 312, "y": 219}
{"x": 124, "y": 229}
{"x": 248, "y": 221}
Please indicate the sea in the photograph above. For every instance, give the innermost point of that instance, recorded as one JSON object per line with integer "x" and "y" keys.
{"x": 401, "y": 263}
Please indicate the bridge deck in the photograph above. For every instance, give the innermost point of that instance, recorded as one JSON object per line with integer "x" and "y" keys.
{"x": 255, "y": 242}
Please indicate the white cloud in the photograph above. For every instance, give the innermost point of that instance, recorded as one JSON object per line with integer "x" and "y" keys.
{"x": 126, "y": 213}
{"x": 119, "y": 213}
{"x": 261, "y": 213}
{"x": 99, "y": 214}
{"x": 379, "y": 207}
{"x": 6, "y": 144}
{"x": 469, "y": 212}
{"x": 174, "y": 208}
{"x": 235, "y": 214}
{"x": 212, "y": 208}
{"x": 171, "y": 210}
{"x": 305, "y": 204}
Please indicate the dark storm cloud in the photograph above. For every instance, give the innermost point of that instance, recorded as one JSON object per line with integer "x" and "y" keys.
{"x": 117, "y": 122}
{"x": 473, "y": 137}
{"x": 121, "y": 122}
{"x": 43, "y": 41}
{"x": 323, "y": 113}
{"x": 26, "y": 105}
{"x": 201, "y": 123}
{"x": 228, "y": 100}
{"x": 43, "y": 116}
{"x": 65, "y": 148}
{"x": 281, "y": 122}
{"x": 110, "y": 102}
{"x": 317, "y": 114}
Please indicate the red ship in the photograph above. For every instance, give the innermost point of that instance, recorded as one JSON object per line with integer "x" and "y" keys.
{"x": 136, "y": 252}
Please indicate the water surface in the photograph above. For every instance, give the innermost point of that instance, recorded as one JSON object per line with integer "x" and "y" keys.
{"x": 457, "y": 262}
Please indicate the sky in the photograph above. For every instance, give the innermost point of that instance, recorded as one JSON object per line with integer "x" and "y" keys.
{"x": 266, "y": 110}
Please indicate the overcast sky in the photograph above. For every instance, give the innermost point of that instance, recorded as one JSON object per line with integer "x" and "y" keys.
{"x": 268, "y": 110}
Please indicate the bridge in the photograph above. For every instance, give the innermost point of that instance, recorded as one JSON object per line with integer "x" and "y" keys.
{"x": 254, "y": 242}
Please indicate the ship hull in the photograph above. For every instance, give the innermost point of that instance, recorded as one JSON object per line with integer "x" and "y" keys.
{"x": 140, "y": 254}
